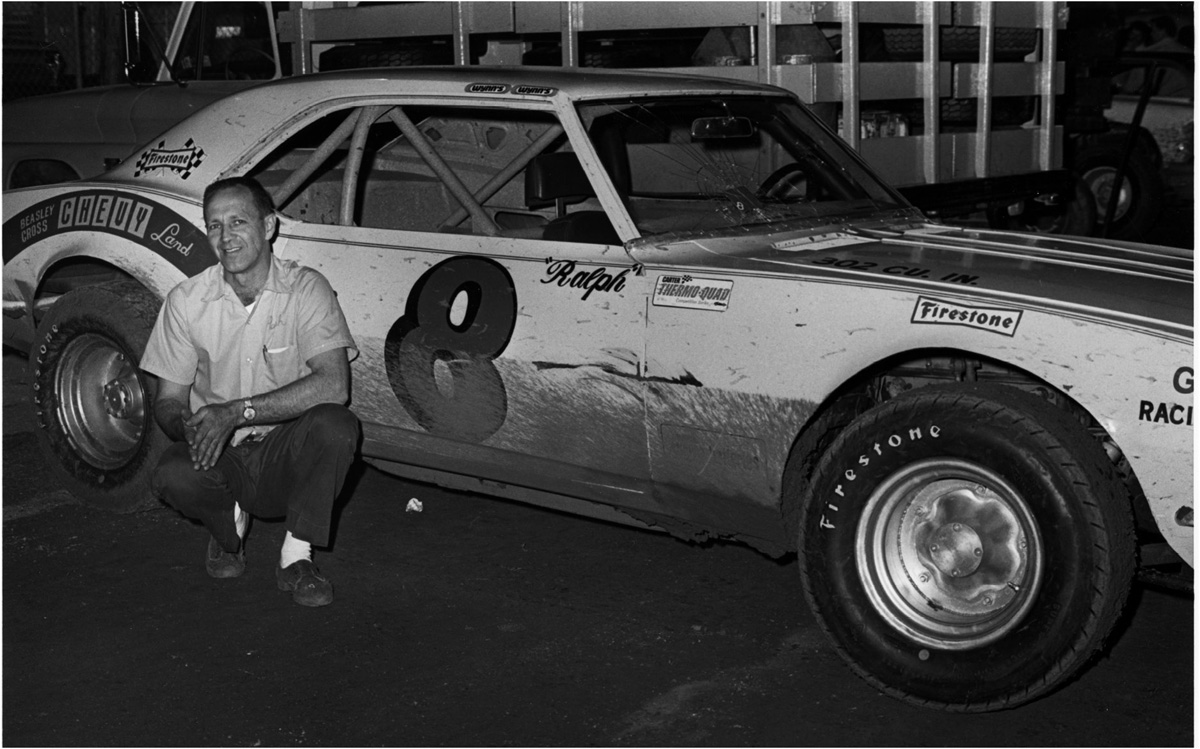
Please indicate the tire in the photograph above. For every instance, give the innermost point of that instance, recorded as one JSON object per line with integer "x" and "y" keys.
{"x": 966, "y": 547}
{"x": 816, "y": 438}
{"x": 95, "y": 407}
{"x": 1076, "y": 218}
{"x": 1140, "y": 199}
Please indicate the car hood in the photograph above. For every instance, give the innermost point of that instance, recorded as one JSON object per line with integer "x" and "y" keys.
{"x": 126, "y": 114}
{"x": 1122, "y": 282}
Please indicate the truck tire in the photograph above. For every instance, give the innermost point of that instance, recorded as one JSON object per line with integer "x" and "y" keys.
{"x": 1077, "y": 217}
{"x": 1140, "y": 199}
{"x": 95, "y": 407}
{"x": 966, "y": 547}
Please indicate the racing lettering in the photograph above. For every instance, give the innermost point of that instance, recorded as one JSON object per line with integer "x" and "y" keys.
{"x": 1165, "y": 413}
{"x": 845, "y": 263}
{"x": 36, "y": 223}
{"x": 76, "y": 213}
{"x": 904, "y": 270}
{"x": 704, "y": 293}
{"x": 169, "y": 238}
{"x": 152, "y": 225}
{"x": 1184, "y": 380}
{"x": 468, "y": 401}
{"x": 563, "y": 273}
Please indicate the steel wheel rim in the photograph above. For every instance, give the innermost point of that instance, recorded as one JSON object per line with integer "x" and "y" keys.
{"x": 101, "y": 401}
{"x": 1100, "y": 181}
{"x": 949, "y": 554}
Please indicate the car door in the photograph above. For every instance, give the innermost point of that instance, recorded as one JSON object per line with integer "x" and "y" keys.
{"x": 499, "y": 321}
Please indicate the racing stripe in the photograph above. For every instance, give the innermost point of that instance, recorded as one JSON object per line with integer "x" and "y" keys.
{"x": 129, "y": 216}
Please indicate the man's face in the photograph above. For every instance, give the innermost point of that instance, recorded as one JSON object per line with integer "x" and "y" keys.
{"x": 237, "y": 233}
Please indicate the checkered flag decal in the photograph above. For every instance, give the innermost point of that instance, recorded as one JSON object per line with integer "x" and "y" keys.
{"x": 184, "y": 161}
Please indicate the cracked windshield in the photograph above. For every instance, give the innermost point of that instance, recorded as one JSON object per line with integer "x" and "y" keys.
{"x": 691, "y": 164}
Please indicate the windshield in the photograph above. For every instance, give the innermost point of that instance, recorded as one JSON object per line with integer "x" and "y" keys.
{"x": 700, "y": 163}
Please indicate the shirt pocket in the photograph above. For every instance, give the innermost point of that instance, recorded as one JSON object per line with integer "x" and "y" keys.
{"x": 279, "y": 362}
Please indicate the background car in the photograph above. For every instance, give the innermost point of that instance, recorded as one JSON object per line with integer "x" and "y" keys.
{"x": 680, "y": 303}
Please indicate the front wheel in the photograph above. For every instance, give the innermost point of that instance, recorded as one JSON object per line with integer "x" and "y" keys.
{"x": 95, "y": 407}
{"x": 966, "y": 547}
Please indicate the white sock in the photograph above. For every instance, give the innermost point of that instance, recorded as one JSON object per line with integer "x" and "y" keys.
{"x": 240, "y": 519}
{"x": 293, "y": 550}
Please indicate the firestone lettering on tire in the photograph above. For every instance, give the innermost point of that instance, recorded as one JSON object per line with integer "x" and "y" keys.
{"x": 893, "y": 441}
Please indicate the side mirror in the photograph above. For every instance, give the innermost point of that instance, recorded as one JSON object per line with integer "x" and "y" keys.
{"x": 718, "y": 128}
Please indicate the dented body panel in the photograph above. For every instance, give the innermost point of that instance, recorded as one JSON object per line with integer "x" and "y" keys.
{"x": 665, "y": 375}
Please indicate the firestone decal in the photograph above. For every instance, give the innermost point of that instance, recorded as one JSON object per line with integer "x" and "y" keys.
{"x": 132, "y": 217}
{"x": 692, "y": 293}
{"x": 992, "y": 319}
{"x": 182, "y": 160}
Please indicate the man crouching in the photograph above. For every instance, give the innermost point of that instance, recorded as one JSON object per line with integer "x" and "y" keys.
{"x": 253, "y": 360}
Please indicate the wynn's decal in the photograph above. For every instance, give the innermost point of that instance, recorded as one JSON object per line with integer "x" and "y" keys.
{"x": 133, "y": 217}
{"x": 535, "y": 90}
{"x": 181, "y": 160}
{"x": 992, "y": 319}
{"x": 692, "y": 293}
{"x": 487, "y": 88}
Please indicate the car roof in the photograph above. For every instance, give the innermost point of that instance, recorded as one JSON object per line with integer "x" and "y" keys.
{"x": 217, "y": 136}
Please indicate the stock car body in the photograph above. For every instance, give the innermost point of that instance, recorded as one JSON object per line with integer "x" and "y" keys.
{"x": 677, "y": 303}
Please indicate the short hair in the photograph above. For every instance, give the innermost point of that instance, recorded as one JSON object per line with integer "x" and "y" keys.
{"x": 258, "y": 194}
{"x": 1166, "y": 23}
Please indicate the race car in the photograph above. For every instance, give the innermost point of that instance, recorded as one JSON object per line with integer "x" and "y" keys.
{"x": 677, "y": 303}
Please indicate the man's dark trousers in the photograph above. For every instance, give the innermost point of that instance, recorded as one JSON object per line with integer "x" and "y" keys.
{"x": 296, "y": 471}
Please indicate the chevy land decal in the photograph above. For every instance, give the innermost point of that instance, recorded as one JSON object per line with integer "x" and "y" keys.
{"x": 132, "y": 217}
{"x": 692, "y": 293}
{"x": 992, "y": 319}
{"x": 181, "y": 160}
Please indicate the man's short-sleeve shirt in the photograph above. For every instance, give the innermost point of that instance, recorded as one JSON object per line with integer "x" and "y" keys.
{"x": 205, "y": 336}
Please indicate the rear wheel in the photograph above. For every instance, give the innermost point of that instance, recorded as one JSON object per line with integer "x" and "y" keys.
{"x": 95, "y": 407}
{"x": 1139, "y": 201}
{"x": 1077, "y": 217}
{"x": 966, "y": 547}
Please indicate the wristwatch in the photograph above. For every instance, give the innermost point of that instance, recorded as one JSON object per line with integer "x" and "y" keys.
{"x": 248, "y": 412}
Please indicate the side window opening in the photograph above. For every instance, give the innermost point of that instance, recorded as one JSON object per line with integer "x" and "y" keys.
{"x": 437, "y": 169}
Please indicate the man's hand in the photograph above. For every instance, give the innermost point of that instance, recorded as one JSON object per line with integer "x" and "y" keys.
{"x": 208, "y": 431}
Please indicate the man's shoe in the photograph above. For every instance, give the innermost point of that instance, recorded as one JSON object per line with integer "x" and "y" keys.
{"x": 220, "y": 563}
{"x": 309, "y": 587}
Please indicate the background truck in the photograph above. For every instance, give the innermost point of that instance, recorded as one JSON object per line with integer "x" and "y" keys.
{"x": 956, "y": 103}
